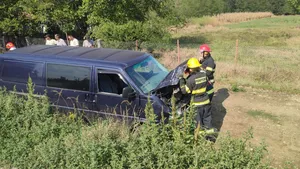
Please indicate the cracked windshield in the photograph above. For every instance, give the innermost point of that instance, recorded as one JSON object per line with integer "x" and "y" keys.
{"x": 147, "y": 74}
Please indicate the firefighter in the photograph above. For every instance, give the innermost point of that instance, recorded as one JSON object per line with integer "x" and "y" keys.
{"x": 10, "y": 46}
{"x": 196, "y": 84}
{"x": 208, "y": 64}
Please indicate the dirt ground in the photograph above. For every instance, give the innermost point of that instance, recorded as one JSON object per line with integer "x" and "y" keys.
{"x": 281, "y": 135}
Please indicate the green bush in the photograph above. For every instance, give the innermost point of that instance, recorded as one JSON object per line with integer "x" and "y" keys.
{"x": 236, "y": 88}
{"x": 129, "y": 32}
{"x": 34, "y": 137}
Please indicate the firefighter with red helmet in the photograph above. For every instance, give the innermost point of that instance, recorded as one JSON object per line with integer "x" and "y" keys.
{"x": 208, "y": 64}
{"x": 10, "y": 46}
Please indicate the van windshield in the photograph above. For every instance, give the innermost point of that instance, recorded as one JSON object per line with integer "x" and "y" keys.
{"x": 147, "y": 74}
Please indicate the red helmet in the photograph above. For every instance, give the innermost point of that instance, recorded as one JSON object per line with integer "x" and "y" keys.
{"x": 10, "y": 45}
{"x": 204, "y": 48}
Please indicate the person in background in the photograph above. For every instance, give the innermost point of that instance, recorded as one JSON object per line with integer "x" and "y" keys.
{"x": 73, "y": 41}
{"x": 209, "y": 65}
{"x": 60, "y": 41}
{"x": 10, "y": 46}
{"x": 87, "y": 42}
{"x": 49, "y": 41}
{"x": 207, "y": 62}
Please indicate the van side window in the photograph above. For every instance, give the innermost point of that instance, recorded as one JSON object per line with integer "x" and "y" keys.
{"x": 110, "y": 83}
{"x": 17, "y": 71}
{"x": 68, "y": 77}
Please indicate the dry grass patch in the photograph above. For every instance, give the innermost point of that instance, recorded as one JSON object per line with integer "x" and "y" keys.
{"x": 242, "y": 16}
{"x": 170, "y": 58}
{"x": 293, "y": 41}
{"x": 214, "y": 23}
{"x": 226, "y": 18}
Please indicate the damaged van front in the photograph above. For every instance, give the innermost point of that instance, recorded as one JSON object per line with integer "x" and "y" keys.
{"x": 157, "y": 83}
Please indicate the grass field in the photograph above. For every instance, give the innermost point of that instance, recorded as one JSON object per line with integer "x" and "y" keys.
{"x": 268, "y": 52}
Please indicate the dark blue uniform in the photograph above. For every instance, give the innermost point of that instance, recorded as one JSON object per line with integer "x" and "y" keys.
{"x": 196, "y": 85}
{"x": 208, "y": 64}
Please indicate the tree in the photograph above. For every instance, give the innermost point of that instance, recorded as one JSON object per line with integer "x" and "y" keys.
{"x": 56, "y": 13}
{"x": 14, "y": 20}
{"x": 122, "y": 20}
{"x": 295, "y": 4}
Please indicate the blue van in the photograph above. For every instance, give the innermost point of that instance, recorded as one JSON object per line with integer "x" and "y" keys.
{"x": 98, "y": 81}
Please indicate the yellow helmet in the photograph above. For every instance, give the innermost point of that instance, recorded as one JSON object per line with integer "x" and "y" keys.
{"x": 193, "y": 63}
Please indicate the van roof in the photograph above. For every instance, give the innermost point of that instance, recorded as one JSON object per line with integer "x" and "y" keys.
{"x": 125, "y": 57}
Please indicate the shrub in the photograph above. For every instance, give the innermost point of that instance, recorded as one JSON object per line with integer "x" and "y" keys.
{"x": 236, "y": 88}
{"x": 34, "y": 137}
{"x": 129, "y": 32}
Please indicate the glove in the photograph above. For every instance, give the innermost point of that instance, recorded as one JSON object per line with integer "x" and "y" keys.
{"x": 180, "y": 76}
{"x": 181, "y": 82}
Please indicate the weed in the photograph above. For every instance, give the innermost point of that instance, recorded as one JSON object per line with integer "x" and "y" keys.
{"x": 263, "y": 114}
{"x": 33, "y": 137}
{"x": 236, "y": 88}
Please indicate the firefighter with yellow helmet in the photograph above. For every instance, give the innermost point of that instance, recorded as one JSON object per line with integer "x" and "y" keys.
{"x": 195, "y": 84}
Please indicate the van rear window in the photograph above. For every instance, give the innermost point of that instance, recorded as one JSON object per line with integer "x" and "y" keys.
{"x": 17, "y": 71}
{"x": 68, "y": 77}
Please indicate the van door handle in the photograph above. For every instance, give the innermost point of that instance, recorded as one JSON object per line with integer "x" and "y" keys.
{"x": 94, "y": 98}
{"x": 86, "y": 98}
{"x": 90, "y": 98}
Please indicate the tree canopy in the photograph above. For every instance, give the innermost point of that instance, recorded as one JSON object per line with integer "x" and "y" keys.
{"x": 121, "y": 20}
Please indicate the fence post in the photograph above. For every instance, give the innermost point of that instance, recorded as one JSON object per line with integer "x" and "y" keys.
{"x": 136, "y": 45}
{"x": 178, "y": 51}
{"x": 27, "y": 41}
{"x": 236, "y": 54}
{"x": 98, "y": 43}
{"x": 3, "y": 41}
{"x": 67, "y": 39}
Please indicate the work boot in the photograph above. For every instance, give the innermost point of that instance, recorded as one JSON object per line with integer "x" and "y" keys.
{"x": 211, "y": 134}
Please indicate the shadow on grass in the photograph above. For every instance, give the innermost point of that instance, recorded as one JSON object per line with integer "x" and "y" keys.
{"x": 218, "y": 109}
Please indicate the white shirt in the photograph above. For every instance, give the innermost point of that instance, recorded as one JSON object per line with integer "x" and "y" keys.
{"x": 86, "y": 43}
{"x": 51, "y": 42}
{"x": 74, "y": 42}
{"x": 12, "y": 48}
{"x": 61, "y": 42}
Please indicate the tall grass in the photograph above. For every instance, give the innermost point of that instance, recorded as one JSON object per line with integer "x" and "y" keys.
{"x": 242, "y": 16}
{"x": 34, "y": 137}
{"x": 228, "y": 18}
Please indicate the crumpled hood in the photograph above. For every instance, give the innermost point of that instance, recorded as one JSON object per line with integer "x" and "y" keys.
{"x": 173, "y": 77}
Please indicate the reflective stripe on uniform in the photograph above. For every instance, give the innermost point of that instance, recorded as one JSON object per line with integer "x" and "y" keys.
{"x": 200, "y": 80}
{"x": 187, "y": 89}
{"x": 210, "y": 69}
{"x": 212, "y": 81}
{"x": 199, "y": 91}
{"x": 210, "y": 91}
{"x": 201, "y": 103}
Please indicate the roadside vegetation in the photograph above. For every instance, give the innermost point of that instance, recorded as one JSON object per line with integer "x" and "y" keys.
{"x": 32, "y": 136}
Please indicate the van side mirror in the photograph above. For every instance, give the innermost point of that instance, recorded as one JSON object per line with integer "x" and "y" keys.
{"x": 128, "y": 93}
